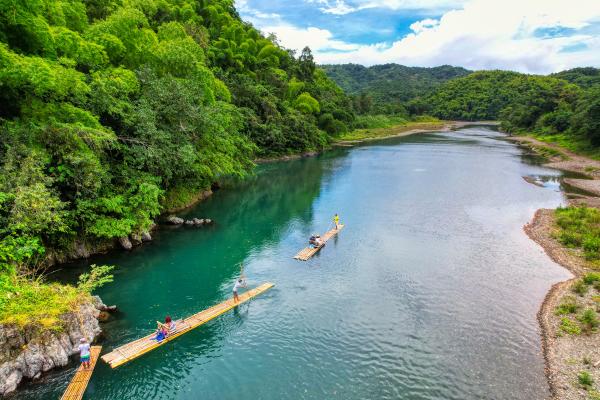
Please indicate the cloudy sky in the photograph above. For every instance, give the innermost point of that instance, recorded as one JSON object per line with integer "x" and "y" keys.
{"x": 536, "y": 36}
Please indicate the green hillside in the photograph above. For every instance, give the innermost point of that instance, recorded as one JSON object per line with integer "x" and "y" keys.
{"x": 386, "y": 87}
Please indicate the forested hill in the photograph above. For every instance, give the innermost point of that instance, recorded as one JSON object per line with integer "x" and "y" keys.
{"x": 566, "y": 103}
{"x": 112, "y": 110}
{"x": 390, "y": 84}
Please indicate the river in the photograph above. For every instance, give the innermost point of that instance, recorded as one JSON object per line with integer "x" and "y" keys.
{"x": 430, "y": 291}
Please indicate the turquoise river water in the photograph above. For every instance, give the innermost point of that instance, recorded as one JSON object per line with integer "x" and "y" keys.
{"x": 430, "y": 292}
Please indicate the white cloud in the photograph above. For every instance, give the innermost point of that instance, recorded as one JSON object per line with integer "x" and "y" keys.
{"x": 424, "y": 24}
{"x": 482, "y": 34}
{"x": 318, "y": 39}
{"x": 339, "y": 8}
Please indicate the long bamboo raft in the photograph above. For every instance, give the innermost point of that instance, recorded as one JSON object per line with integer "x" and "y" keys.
{"x": 308, "y": 252}
{"x": 81, "y": 378}
{"x": 129, "y": 351}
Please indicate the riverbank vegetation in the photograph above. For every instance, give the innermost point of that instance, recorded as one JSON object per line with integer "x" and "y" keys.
{"x": 28, "y": 300}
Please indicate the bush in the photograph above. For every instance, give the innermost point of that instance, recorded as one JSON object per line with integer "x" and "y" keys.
{"x": 25, "y": 302}
{"x": 580, "y": 287}
{"x": 570, "y": 327}
{"x": 591, "y": 278}
{"x": 589, "y": 319}
{"x": 585, "y": 379}
{"x": 591, "y": 247}
{"x": 567, "y": 306}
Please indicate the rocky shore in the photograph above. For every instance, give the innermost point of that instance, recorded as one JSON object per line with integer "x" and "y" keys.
{"x": 27, "y": 353}
{"x": 566, "y": 355}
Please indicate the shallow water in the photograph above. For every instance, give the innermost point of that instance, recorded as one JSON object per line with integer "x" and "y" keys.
{"x": 430, "y": 292}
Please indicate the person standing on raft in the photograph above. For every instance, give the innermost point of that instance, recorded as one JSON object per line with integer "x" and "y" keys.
{"x": 84, "y": 353}
{"x": 336, "y": 221}
{"x": 238, "y": 284}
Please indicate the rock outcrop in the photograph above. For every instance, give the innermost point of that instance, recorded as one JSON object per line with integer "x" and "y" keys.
{"x": 173, "y": 220}
{"x": 25, "y": 353}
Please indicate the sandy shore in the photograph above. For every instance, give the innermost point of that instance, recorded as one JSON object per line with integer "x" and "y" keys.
{"x": 566, "y": 355}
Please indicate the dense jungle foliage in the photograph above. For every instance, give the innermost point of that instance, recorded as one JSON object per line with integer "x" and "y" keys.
{"x": 109, "y": 107}
{"x": 386, "y": 89}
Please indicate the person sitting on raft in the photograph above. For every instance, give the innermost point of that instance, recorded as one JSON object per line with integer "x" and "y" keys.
{"x": 170, "y": 325}
{"x": 315, "y": 241}
{"x": 163, "y": 330}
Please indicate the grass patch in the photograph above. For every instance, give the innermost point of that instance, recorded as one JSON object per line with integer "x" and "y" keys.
{"x": 569, "y": 327}
{"x": 579, "y": 227}
{"x": 585, "y": 380}
{"x": 591, "y": 278}
{"x": 580, "y": 288}
{"x": 33, "y": 302}
{"x": 575, "y": 144}
{"x": 568, "y": 305}
{"x": 374, "y": 133}
{"x": 589, "y": 320}
{"x": 378, "y": 121}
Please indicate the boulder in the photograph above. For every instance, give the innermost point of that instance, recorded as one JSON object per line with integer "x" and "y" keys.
{"x": 146, "y": 237}
{"x": 208, "y": 221}
{"x": 198, "y": 221}
{"x": 125, "y": 243}
{"x": 173, "y": 220}
{"x": 136, "y": 239}
{"x": 189, "y": 222}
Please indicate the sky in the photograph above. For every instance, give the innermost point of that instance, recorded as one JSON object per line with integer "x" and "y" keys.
{"x": 532, "y": 36}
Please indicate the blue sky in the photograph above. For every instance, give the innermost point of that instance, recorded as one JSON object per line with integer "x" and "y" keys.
{"x": 537, "y": 36}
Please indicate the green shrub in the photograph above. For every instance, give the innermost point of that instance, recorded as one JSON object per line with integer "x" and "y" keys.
{"x": 570, "y": 327}
{"x": 591, "y": 278}
{"x": 570, "y": 239}
{"x": 568, "y": 305}
{"x": 589, "y": 319}
{"x": 585, "y": 379}
{"x": 591, "y": 247}
{"x": 580, "y": 287}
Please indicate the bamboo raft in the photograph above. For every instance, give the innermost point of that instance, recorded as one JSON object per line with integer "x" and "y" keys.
{"x": 81, "y": 378}
{"x": 129, "y": 351}
{"x": 308, "y": 252}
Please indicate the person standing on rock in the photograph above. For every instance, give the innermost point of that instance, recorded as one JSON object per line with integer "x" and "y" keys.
{"x": 84, "y": 353}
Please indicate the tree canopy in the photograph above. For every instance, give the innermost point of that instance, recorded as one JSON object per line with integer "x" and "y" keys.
{"x": 109, "y": 107}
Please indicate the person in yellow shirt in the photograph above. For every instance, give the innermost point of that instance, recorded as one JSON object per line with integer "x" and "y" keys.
{"x": 336, "y": 221}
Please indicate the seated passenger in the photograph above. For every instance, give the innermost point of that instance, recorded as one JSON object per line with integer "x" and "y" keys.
{"x": 169, "y": 324}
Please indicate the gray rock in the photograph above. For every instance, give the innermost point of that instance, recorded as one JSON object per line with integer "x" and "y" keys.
{"x": 125, "y": 243}
{"x": 198, "y": 221}
{"x": 189, "y": 222}
{"x": 173, "y": 220}
{"x": 146, "y": 237}
{"x": 208, "y": 221}
{"x": 136, "y": 239}
{"x": 27, "y": 352}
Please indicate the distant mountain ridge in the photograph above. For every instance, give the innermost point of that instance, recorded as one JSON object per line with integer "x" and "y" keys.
{"x": 391, "y": 82}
